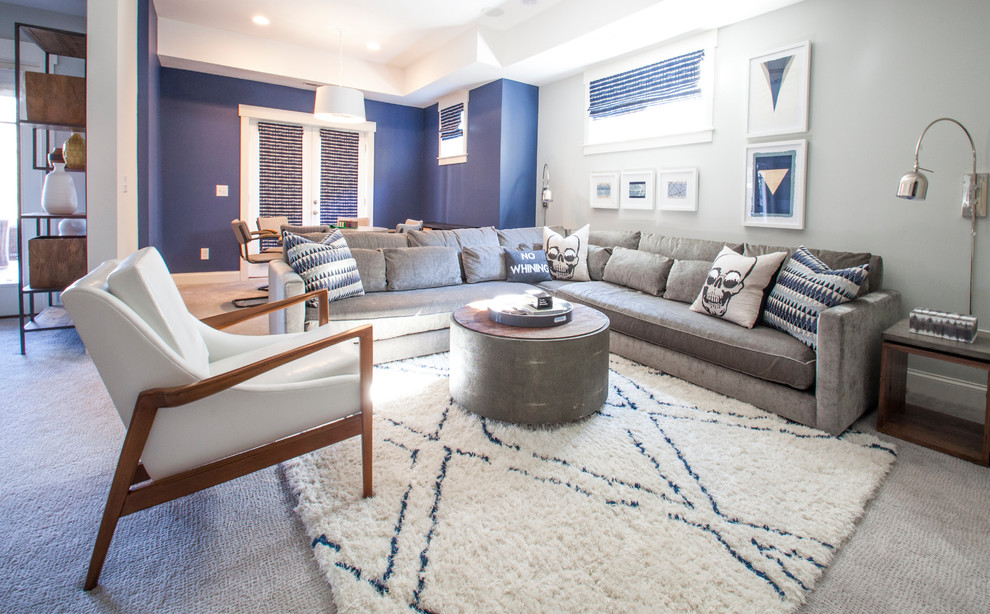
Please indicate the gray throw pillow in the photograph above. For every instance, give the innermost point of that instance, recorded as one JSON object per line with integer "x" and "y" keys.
{"x": 371, "y": 266}
{"x": 526, "y": 266}
{"x": 638, "y": 270}
{"x": 686, "y": 279}
{"x": 473, "y": 237}
{"x": 483, "y": 263}
{"x": 432, "y": 238}
{"x": 597, "y": 259}
{"x": 411, "y": 268}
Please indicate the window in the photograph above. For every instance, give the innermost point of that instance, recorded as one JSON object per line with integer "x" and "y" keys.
{"x": 8, "y": 173}
{"x": 656, "y": 99}
{"x": 452, "y": 132}
{"x": 308, "y": 170}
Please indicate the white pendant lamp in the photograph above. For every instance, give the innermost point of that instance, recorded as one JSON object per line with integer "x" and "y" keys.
{"x": 337, "y": 103}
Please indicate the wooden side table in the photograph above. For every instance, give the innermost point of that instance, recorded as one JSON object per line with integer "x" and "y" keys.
{"x": 924, "y": 426}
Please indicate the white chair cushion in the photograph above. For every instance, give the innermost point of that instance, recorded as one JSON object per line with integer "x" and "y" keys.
{"x": 142, "y": 281}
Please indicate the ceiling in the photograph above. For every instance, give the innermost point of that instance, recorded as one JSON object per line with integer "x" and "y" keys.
{"x": 428, "y": 48}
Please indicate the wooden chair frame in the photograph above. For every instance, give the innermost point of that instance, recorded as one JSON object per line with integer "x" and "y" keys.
{"x": 133, "y": 490}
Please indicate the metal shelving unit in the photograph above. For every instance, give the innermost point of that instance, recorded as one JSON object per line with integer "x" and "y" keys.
{"x": 54, "y": 43}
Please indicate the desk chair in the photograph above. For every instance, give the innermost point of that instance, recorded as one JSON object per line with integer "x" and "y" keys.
{"x": 244, "y": 237}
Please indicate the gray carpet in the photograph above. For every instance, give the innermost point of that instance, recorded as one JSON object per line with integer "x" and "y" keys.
{"x": 921, "y": 547}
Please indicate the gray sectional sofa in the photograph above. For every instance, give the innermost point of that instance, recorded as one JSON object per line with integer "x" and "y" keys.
{"x": 409, "y": 296}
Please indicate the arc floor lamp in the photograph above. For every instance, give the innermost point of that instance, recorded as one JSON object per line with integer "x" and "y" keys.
{"x": 914, "y": 186}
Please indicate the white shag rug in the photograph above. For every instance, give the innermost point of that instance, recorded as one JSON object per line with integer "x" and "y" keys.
{"x": 671, "y": 499}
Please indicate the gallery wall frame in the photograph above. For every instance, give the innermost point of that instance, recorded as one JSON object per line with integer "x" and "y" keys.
{"x": 637, "y": 189}
{"x": 775, "y": 184}
{"x": 779, "y": 87}
{"x": 604, "y": 190}
{"x": 678, "y": 189}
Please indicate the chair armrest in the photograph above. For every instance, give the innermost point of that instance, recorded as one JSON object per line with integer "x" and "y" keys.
{"x": 284, "y": 282}
{"x": 848, "y": 364}
{"x": 228, "y": 319}
{"x": 157, "y": 398}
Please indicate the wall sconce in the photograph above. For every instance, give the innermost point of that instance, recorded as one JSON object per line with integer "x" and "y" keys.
{"x": 914, "y": 186}
{"x": 547, "y": 194}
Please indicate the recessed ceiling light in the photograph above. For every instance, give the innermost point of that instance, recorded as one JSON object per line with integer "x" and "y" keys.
{"x": 373, "y": 46}
{"x": 261, "y": 20}
{"x": 492, "y": 12}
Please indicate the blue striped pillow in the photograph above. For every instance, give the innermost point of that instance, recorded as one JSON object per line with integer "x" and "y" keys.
{"x": 325, "y": 264}
{"x": 805, "y": 288}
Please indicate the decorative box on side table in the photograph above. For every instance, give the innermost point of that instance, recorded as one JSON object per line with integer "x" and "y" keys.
{"x": 923, "y": 426}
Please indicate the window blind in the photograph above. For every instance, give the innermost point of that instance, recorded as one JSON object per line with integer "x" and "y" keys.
{"x": 338, "y": 175}
{"x": 280, "y": 172}
{"x": 450, "y": 122}
{"x": 632, "y": 91}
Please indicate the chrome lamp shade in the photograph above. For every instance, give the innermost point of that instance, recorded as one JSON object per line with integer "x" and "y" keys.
{"x": 913, "y": 186}
{"x": 339, "y": 104}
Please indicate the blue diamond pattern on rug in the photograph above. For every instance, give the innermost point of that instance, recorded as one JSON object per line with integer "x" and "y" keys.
{"x": 325, "y": 264}
{"x": 671, "y": 499}
{"x": 805, "y": 288}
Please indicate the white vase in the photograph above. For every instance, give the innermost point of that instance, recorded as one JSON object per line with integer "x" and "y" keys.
{"x": 72, "y": 227}
{"x": 58, "y": 196}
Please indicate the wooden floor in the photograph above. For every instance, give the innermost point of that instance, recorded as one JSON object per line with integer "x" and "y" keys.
{"x": 213, "y": 298}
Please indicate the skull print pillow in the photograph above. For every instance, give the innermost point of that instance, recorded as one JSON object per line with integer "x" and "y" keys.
{"x": 567, "y": 256}
{"x": 734, "y": 288}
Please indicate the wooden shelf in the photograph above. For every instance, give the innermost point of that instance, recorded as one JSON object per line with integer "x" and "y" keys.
{"x": 57, "y": 42}
{"x": 50, "y": 318}
{"x": 52, "y": 126}
{"x": 938, "y": 431}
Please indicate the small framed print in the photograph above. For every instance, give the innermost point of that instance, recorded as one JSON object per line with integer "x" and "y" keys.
{"x": 637, "y": 190}
{"x": 604, "y": 191}
{"x": 678, "y": 190}
{"x": 779, "y": 82}
{"x": 775, "y": 182}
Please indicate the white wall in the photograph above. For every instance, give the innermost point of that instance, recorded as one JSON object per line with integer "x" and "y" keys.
{"x": 881, "y": 70}
{"x": 111, "y": 130}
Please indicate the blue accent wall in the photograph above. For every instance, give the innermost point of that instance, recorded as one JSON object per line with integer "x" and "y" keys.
{"x": 518, "y": 176}
{"x": 149, "y": 152}
{"x": 496, "y": 186}
{"x": 200, "y": 148}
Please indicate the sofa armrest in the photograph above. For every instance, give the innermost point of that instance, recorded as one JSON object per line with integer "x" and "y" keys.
{"x": 848, "y": 366}
{"x": 283, "y": 283}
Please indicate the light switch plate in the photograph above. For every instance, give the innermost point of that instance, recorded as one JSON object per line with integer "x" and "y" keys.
{"x": 221, "y": 190}
{"x": 204, "y": 253}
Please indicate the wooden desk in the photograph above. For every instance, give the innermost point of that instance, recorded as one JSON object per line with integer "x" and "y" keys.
{"x": 924, "y": 426}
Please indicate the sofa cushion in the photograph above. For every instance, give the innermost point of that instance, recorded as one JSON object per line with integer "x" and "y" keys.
{"x": 473, "y": 237}
{"x": 638, "y": 270}
{"x": 834, "y": 260}
{"x": 805, "y": 288}
{"x": 433, "y": 238}
{"x": 483, "y": 263}
{"x": 374, "y": 240}
{"x": 762, "y": 351}
{"x": 735, "y": 285}
{"x": 526, "y": 266}
{"x": 686, "y": 279}
{"x": 567, "y": 257}
{"x": 628, "y": 239}
{"x": 371, "y": 267}
{"x": 597, "y": 259}
{"x": 528, "y": 237}
{"x": 325, "y": 264}
{"x": 680, "y": 248}
{"x": 410, "y": 268}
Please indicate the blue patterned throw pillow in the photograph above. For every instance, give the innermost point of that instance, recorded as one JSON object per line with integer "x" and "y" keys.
{"x": 805, "y": 288}
{"x": 324, "y": 264}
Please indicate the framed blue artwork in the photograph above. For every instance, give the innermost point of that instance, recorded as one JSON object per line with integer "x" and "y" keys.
{"x": 678, "y": 189}
{"x": 637, "y": 190}
{"x": 779, "y": 82}
{"x": 775, "y": 184}
{"x": 604, "y": 193}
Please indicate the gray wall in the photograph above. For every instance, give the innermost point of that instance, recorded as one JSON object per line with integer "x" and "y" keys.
{"x": 881, "y": 70}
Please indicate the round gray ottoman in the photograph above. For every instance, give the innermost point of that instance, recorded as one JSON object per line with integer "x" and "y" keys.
{"x": 529, "y": 375}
